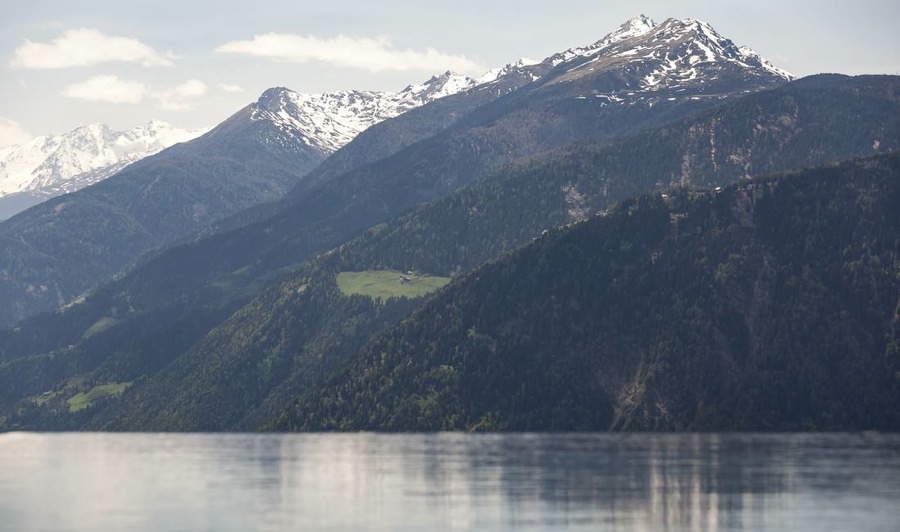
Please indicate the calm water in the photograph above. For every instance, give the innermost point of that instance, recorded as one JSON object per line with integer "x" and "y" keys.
{"x": 242, "y": 482}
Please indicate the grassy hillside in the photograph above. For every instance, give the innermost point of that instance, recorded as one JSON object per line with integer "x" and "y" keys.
{"x": 385, "y": 284}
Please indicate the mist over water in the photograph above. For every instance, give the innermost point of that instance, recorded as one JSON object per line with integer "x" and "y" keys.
{"x": 702, "y": 482}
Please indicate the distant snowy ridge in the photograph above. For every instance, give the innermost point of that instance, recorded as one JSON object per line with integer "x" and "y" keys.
{"x": 51, "y": 165}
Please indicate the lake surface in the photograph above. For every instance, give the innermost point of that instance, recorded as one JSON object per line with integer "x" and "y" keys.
{"x": 247, "y": 482}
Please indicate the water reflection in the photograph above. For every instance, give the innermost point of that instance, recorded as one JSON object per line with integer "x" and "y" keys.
{"x": 449, "y": 481}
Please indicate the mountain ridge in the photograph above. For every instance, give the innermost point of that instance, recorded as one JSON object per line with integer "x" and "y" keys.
{"x": 328, "y": 121}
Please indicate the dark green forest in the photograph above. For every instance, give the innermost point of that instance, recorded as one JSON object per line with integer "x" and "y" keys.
{"x": 770, "y": 305}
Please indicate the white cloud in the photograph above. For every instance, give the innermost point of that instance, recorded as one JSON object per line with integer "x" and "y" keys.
{"x": 230, "y": 88}
{"x": 12, "y": 132}
{"x": 107, "y": 88}
{"x": 85, "y": 47}
{"x": 373, "y": 54}
{"x": 173, "y": 98}
{"x": 111, "y": 89}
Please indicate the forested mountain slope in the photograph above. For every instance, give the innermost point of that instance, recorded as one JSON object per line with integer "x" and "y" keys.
{"x": 770, "y": 305}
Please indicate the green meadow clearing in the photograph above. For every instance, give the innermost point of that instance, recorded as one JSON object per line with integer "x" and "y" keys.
{"x": 386, "y": 284}
{"x": 83, "y": 400}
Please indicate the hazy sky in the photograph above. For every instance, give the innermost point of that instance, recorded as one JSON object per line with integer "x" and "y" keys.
{"x": 193, "y": 63}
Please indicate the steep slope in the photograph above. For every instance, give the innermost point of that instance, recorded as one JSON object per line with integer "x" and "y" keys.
{"x": 444, "y": 237}
{"x": 53, "y": 252}
{"x": 51, "y": 165}
{"x": 391, "y": 136}
{"x": 770, "y": 305}
{"x": 808, "y": 123}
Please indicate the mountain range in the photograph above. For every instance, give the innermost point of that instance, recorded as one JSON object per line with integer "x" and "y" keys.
{"x": 527, "y": 109}
{"x": 51, "y": 165}
{"x": 240, "y": 254}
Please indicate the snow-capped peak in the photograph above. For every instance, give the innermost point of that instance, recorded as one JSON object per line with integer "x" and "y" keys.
{"x": 55, "y": 164}
{"x": 684, "y": 57}
{"x": 634, "y": 27}
{"x": 326, "y": 122}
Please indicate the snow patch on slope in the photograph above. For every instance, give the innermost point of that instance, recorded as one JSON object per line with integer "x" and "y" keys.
{"x": 497, "y": 73}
